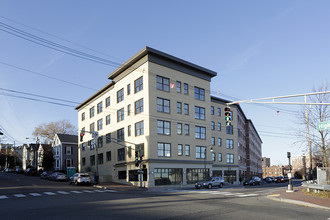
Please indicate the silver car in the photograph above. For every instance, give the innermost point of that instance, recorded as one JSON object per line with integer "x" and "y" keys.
{"x": 210, "y": 182}
{"x": 58, "y": 176}
{"x": 80, "y": 178}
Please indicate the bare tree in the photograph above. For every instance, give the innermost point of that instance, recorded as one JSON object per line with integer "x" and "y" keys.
{"x": 47, "y": 131}
{"x": 319, "y": 139}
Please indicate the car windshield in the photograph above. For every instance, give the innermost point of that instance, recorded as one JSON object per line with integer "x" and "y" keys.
{"x": 84, "y": 175}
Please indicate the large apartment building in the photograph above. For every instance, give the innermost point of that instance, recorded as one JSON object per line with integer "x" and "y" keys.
{"x": 161, "y": 106}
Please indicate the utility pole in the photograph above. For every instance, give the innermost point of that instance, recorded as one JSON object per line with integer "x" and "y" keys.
{"x": 309, "y": 147}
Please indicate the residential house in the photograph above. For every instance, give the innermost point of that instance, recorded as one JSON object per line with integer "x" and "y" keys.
{"x": 65, "y": 151}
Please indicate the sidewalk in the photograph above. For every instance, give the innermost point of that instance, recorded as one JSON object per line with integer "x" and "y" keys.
{"x": 299, "y": 198}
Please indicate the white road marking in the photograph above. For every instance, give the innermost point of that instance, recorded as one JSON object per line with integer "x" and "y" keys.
{"x": 100, "y": 191}
{"x": 3, "y": 197}
{"x": 35, "y": 194}
{"x": 87, "y": 191}
{"x": 62, "y": 192}
{"x": 19, "y": 195}
{"x": 109, "y": 190}
{"x": 50, "y": 193}
{"x": 77, "y": 192}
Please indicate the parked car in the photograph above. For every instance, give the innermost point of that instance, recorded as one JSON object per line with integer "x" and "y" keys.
{"x": 18, "y": 170}
{"x": 80, "y": 178}
{"x": 45, "y": 175}
{"x": 279, "y": 179}
{"x": 58, "y": 176}
{"x": 8, "y": 170}
{"x": 269, "y": 179}
{"x": 252, "y": 181}
{"x": 30, "y": 172}
{"x": 210, "y": 182}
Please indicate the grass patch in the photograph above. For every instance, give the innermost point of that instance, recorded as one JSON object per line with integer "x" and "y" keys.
{"x": 322, "y": 194}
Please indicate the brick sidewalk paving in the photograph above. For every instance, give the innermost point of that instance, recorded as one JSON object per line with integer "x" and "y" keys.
{"x": 300, "y": 197}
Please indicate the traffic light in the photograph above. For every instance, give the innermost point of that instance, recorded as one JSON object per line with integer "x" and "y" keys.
{"x": 141, "y": 158}
{"x": 136, "y": 158}
{"x": 82, "y": 134}
{"x": 227, "y": 116}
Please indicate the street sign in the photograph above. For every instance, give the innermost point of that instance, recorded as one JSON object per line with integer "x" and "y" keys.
{"x": 323, "y": 125}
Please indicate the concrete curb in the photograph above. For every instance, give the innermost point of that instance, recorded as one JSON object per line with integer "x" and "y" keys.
{"x": 296, "y": 202}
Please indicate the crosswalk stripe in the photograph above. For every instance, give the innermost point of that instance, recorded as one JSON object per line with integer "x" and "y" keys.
{"x": 3, "y": 197}
{"x": 50, "y": 193}
{"x": 77, "y": 192}
{"x": 19, "y": 195}
{"x": 35, "y": 194}
{"x": 62, "y": 192}
{"x": 100, "y": 191}
{"x": 88, "y": 191}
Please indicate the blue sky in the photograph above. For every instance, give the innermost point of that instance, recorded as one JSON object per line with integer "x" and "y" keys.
{"x": 258, "y": 48}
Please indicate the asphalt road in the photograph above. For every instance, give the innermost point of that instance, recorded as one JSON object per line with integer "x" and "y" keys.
{"x": 23, "y": 197}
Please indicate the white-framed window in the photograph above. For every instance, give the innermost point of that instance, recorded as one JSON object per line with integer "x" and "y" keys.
{"x": 230, "y": 144}
{"x": 230, "y": 158}
{"x": 180, "y": 150}
{"x": 200, "y": 132}
{"x": 200, "y": 152}
{"x": 220, "y": 157}
{"x": 164, "y": 149}
{"x": 187, "y": 150}
{"x": 68, "y": 150}
{"x": 163, "y": 127}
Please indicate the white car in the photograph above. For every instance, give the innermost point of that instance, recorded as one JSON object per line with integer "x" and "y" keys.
{"x": 80, "y": 178}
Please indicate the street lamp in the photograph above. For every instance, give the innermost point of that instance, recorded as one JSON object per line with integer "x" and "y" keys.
{"x": 211, "y": 150}
{"x": 290, "y": 188}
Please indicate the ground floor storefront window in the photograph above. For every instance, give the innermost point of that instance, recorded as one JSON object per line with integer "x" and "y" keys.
{"x": 134, "y": 175}
{"x": 195, "y": 175}
{"x": 217, "y": 172}
{"x": 230, "y": 176}
{"x": 168, "y": 176}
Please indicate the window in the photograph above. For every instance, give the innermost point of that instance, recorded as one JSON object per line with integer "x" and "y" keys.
{"x": 212, "y": 125}
{"x": 200, "y": 152}
{"x": 100, "y": 142}
{"x": 163, "y": 83}
{"x": 199, "y": 113}
{"x": 83, "y": 116}
{"x": 120, "y": 95}
{"x": 120, "y": 115}
{"x": 92, "y": 160}
{"x": 83, "y": 161}
{"x": 219, "y": 126}
{"x": 220, "y": 157}
{"x": 129, "y": 130}
{"x": 83, "y": 146}
{"x": 99, "y": 108}
{"x": 200, "y": 132}
{"x": 121, "y": 154}
{"x": 163, "y": 105}
{"x": 128, "y": 89}
{"x": 138, "y": 85}
{"x": 163, "y": 127}
{"x": 100, "y": 158}
{"x": 187, "y": 150}
{"x": 230, "y": 158}
{"x": 180, "y": 150}
{"x": 120, "y": 134}
{"x": 219, "y": 112}
{"x": 91, "y": 112}
{"x": 68, "y": 150}
{"x": 108, "y": 138}
{"x": 139, "y": 128}
{"x": 107, "y": 120}
{"x": 185, "y": 89}
{"x": 178, "y": 86}
{"x": 230, "y": 144}
{"x": 92, "y": 144}
{"x": 179, "y": 128}
{"x": 100, "y": 124}
{"x": 92, "y": 127}
{"x": 129, "y": 109}
{"x": 219, "y": 142}
{"x": 199, "y": 93}
{"x": 186, "y": 129}
{"x": 164, "y": 149}
{"x": 229, "y": 129}
{"x": 212, "y": 110}
{"x": 139, "y": 106}
{"x": 213, "y": 156}
{"x": 107, "y": 102}
{"x": 213, "y": 141}
{"x": 179, "y": 107}
{"x": 186, "y": 109}
{"x": 108, "y": 155}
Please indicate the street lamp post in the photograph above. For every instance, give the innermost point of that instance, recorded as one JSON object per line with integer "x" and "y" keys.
{"x": 290, "y": 188}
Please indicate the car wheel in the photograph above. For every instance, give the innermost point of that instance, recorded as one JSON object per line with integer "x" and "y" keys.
{"x": 221, "y": 185}
{"x": 209, "y": 186}
{"x": 76, "y": 183}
